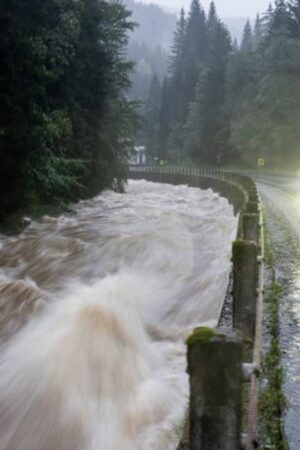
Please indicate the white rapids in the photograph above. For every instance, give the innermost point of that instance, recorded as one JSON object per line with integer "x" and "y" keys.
{"x": 95, "y": 309}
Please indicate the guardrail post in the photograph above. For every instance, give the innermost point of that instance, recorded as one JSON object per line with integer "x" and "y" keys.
{"x": 252, "y": 207}
{"x": 253, "y": 195}
{"x": 215, "y": 369}
{"x": 245, "y": 279}
{"x": 251, "y": 227}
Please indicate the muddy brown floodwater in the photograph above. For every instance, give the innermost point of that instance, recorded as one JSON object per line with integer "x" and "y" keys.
{"x": 95, "y": 308}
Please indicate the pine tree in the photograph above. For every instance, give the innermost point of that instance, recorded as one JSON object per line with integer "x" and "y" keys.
{"x": 294, "y": 9}
{"x": 247, "y": 39}
{"x": 207, "y": 130}
{"x": 280, "y": 19}
{"x": 176, "y": 57}
{"x": 266, "y": 18}
{"x": 165, "y": 117}
{"x": 176, "y": 73}
{"x": 195, "y": 48}
{"x": 235, "y": 45}
{"x": 258, "y": 32}
{"x": 265, "y": 107}
{"x": 151, "y": 116}
{"x": 63, "y": 107}
{"x": 212, "y": 17}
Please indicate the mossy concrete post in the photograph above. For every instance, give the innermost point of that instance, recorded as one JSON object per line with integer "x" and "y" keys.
{"x": 251, "y": 227}
{"x": 245, "y": 279}
{"x": 252, "y": 208}
{"x": 215, "y": 370}
{"x": 253, "y": 196}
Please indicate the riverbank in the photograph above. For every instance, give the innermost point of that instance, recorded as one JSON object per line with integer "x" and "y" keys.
{"x": 13, "y": 223}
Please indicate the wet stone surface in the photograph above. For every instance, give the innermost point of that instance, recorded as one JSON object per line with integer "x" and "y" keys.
{"x": 284, "y": 225}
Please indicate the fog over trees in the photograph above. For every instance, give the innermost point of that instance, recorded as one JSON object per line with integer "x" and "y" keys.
{"x": 223, "y": 102}
{"x": 151, "y": 40}
{"x": 67, "y": 120}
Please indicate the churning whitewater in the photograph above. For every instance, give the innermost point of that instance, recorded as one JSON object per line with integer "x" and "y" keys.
{"x": 95, "y": 308}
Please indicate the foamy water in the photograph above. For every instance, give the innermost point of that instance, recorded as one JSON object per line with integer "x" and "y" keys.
{"x": 94, "y": 312}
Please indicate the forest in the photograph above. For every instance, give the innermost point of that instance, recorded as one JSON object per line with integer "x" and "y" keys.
{"x": 150, "y": 43}
{"x": 224, "y": 102}
{"x": 69, "y": 118}
{"x": 65, "y": 120}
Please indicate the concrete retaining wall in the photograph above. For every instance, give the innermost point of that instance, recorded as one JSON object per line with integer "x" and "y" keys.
{"x": 226, "y": 188}
{"x": 217, "y": 358}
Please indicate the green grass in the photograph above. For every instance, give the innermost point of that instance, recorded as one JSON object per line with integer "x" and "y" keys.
{"x": 272, "y": 399}
{"x": 267, "y": 242}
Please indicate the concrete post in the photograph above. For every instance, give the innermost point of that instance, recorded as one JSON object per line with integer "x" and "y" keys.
{"x": 252, "y": 208}
{"x": 215, "y": 369}
{"x": 251, "y": 227}
{"x": 245, "y": 279}
{"x": 253, "y": 195}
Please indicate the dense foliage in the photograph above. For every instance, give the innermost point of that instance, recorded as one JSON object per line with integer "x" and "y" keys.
{"x": 223, "y": 102}
{"x": 64, "y": 118}
{"x": 264, "y": 88}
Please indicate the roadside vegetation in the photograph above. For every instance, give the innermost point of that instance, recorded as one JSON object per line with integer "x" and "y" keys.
{"x": 272, "y": 400}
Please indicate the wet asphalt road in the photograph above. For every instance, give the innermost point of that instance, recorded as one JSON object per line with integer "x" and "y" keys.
{"x": 281, "y": 195}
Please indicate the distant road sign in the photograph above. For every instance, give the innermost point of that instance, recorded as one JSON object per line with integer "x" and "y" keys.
{"x": 260, "y": 162}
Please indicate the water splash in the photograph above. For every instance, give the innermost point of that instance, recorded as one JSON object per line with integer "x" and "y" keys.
{"x": 95, "y": 309}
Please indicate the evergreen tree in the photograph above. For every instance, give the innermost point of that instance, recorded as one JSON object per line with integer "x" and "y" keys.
{"x": 212, "y": 17}
{"x": 151, "y": 116}
{"x": 294, "y": 8}
{"x": 165, "y": 114}
{"x": 280, "y": 19}
{"x": 264, "y": 117}
{"x": 246, "y": 101}
{"x": 62, "y": 82}
{"x": 266, "y": 18}
{"x": 206, "y": 124}
{"x": 195, "y": 48}
{"x": 176, "y": 72}
{"x": 235, "y": 45}
{"x": 177, "y": 50}
{"x": 190, "y": 54}
{"x": 247, "y": 39}
{"x": 258, "y": 32}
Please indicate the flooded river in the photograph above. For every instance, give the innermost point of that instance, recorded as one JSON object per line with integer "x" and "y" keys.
{"x": 95, "y": 308}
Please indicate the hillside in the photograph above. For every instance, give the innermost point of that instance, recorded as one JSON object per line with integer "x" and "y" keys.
{"x": 155, "y": 26}
{"x": 151, "y": 40}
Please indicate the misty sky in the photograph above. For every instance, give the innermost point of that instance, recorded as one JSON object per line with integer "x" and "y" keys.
{"x": 226, "y": 8}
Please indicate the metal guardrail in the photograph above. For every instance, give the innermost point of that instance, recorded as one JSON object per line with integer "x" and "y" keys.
{"x": 248, "y": 187}
{"x": 241, "y": 180}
